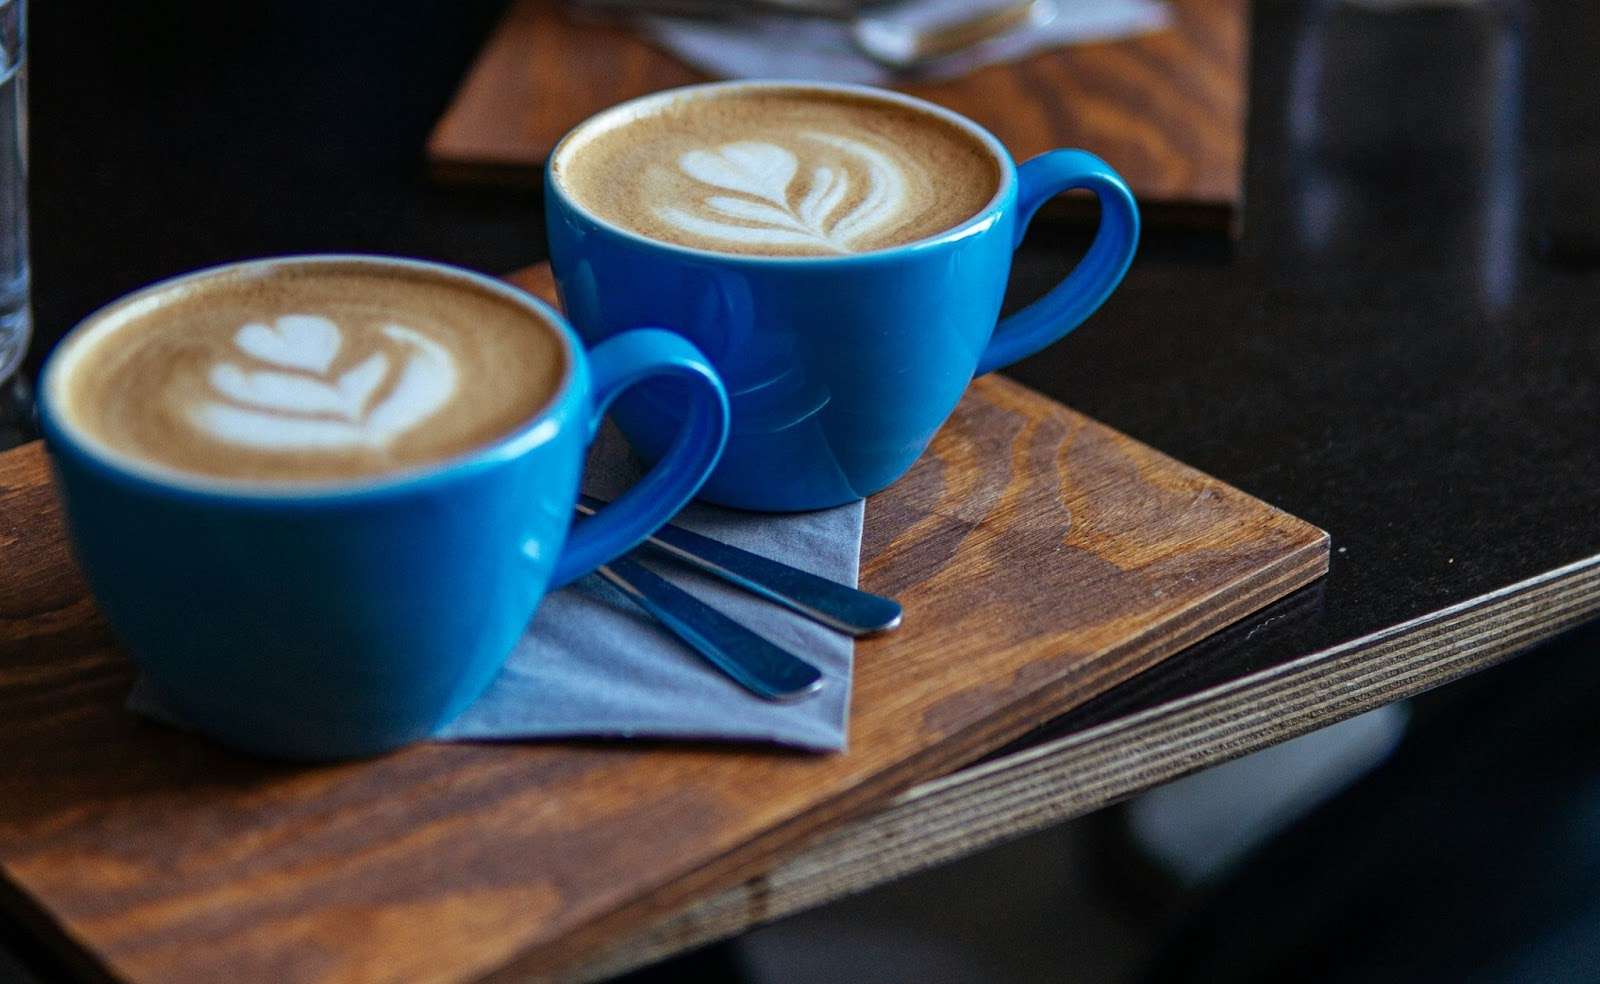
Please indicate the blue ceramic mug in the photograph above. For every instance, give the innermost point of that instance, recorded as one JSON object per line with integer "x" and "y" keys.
{"x": 345, "y": 619}
{"x": 839, "y": 368}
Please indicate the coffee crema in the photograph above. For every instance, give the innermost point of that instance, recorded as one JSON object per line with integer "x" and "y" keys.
{"x": 779, "y": 171}
{"x": 307, "y": 371}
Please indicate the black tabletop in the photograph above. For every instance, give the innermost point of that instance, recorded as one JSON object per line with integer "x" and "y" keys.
{"x": 1402, "y": 348}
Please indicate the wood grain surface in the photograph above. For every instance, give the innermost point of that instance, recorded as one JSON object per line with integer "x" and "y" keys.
{"x": 1167, "y": 109}
{"x": 1041, "y": 558}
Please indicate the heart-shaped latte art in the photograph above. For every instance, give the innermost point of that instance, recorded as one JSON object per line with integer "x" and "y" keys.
{"x": 296, "y": 406}
{"x": 761, "y": 174}
{"x": 294, "y": 341}
{"x": 293, "y": 393}
{"x": 760, "y": 169}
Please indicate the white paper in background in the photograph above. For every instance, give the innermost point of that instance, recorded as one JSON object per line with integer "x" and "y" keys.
{"x": 780, "y": 46}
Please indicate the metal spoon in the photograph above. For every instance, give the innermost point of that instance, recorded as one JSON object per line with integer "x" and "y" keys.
{"x": 910, "y": 35}
{"x": 837, "y": 606}
{"x": 757, "y": 664}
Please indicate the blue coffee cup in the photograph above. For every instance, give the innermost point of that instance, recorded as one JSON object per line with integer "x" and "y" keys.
{"x": 345, "y": 619}
{"x": 840, "y": 369}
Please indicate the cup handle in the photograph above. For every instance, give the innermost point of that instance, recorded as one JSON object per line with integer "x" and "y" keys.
{"x": 1096, "y": 275}
{"x": 616, "y": 364}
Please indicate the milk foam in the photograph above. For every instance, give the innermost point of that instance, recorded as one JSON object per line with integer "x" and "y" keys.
{"x": 762, "y": 175}
{"x": 307, "y": 370}
{"x": 779, "y": 170}
{"x": 297, "y": 407}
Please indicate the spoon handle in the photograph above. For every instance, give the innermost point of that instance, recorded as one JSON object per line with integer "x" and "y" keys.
{"x": 757, "y": 664}
{"x": 837, "y": 606}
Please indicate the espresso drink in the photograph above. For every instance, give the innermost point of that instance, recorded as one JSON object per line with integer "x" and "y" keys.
{"x": 778, "y": 171}
{"x": 307, "y": 371}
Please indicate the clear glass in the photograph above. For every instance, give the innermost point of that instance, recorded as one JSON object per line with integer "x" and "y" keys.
{"x": 16, "y": 318}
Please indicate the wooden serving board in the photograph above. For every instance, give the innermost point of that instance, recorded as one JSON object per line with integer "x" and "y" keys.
{"x": 1167, "y": 109}
{"x": 1041, "y": 558}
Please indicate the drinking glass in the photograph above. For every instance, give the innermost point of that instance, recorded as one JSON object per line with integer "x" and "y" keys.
{"x": 16, "y": 319}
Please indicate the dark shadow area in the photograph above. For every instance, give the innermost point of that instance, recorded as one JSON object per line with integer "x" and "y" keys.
{"x": 1471, "y": 855}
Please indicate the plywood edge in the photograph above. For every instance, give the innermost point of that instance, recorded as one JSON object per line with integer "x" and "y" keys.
{"x": 486, "y": 173}
{"x": 999, "y": 800}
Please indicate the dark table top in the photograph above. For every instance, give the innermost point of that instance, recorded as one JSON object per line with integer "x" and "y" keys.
{"x": 1403, "y": 348}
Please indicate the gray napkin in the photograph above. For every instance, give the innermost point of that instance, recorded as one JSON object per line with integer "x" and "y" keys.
{"x": 593, "y": 665}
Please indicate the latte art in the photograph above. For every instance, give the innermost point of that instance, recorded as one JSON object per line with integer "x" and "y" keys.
{"x": 765, "y": 172}
{"x": 779, "y": 171}
{"x": 312, "y": 370}
{"x": 296, "y": 406}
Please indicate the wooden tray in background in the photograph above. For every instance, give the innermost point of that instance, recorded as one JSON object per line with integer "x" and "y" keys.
{"x": 1041, "y": 557}
{"x": 1167, "y": 110}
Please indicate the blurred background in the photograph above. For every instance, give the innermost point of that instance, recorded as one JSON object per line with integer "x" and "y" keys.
{"x": 1415, "y": 178}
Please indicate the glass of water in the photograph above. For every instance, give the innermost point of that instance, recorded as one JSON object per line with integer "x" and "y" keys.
{"x": 16, "y": 319}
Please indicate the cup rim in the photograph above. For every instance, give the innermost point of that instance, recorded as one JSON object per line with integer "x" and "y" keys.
{"x": 977, "y": 222}
{"x": 536, "y": 429}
